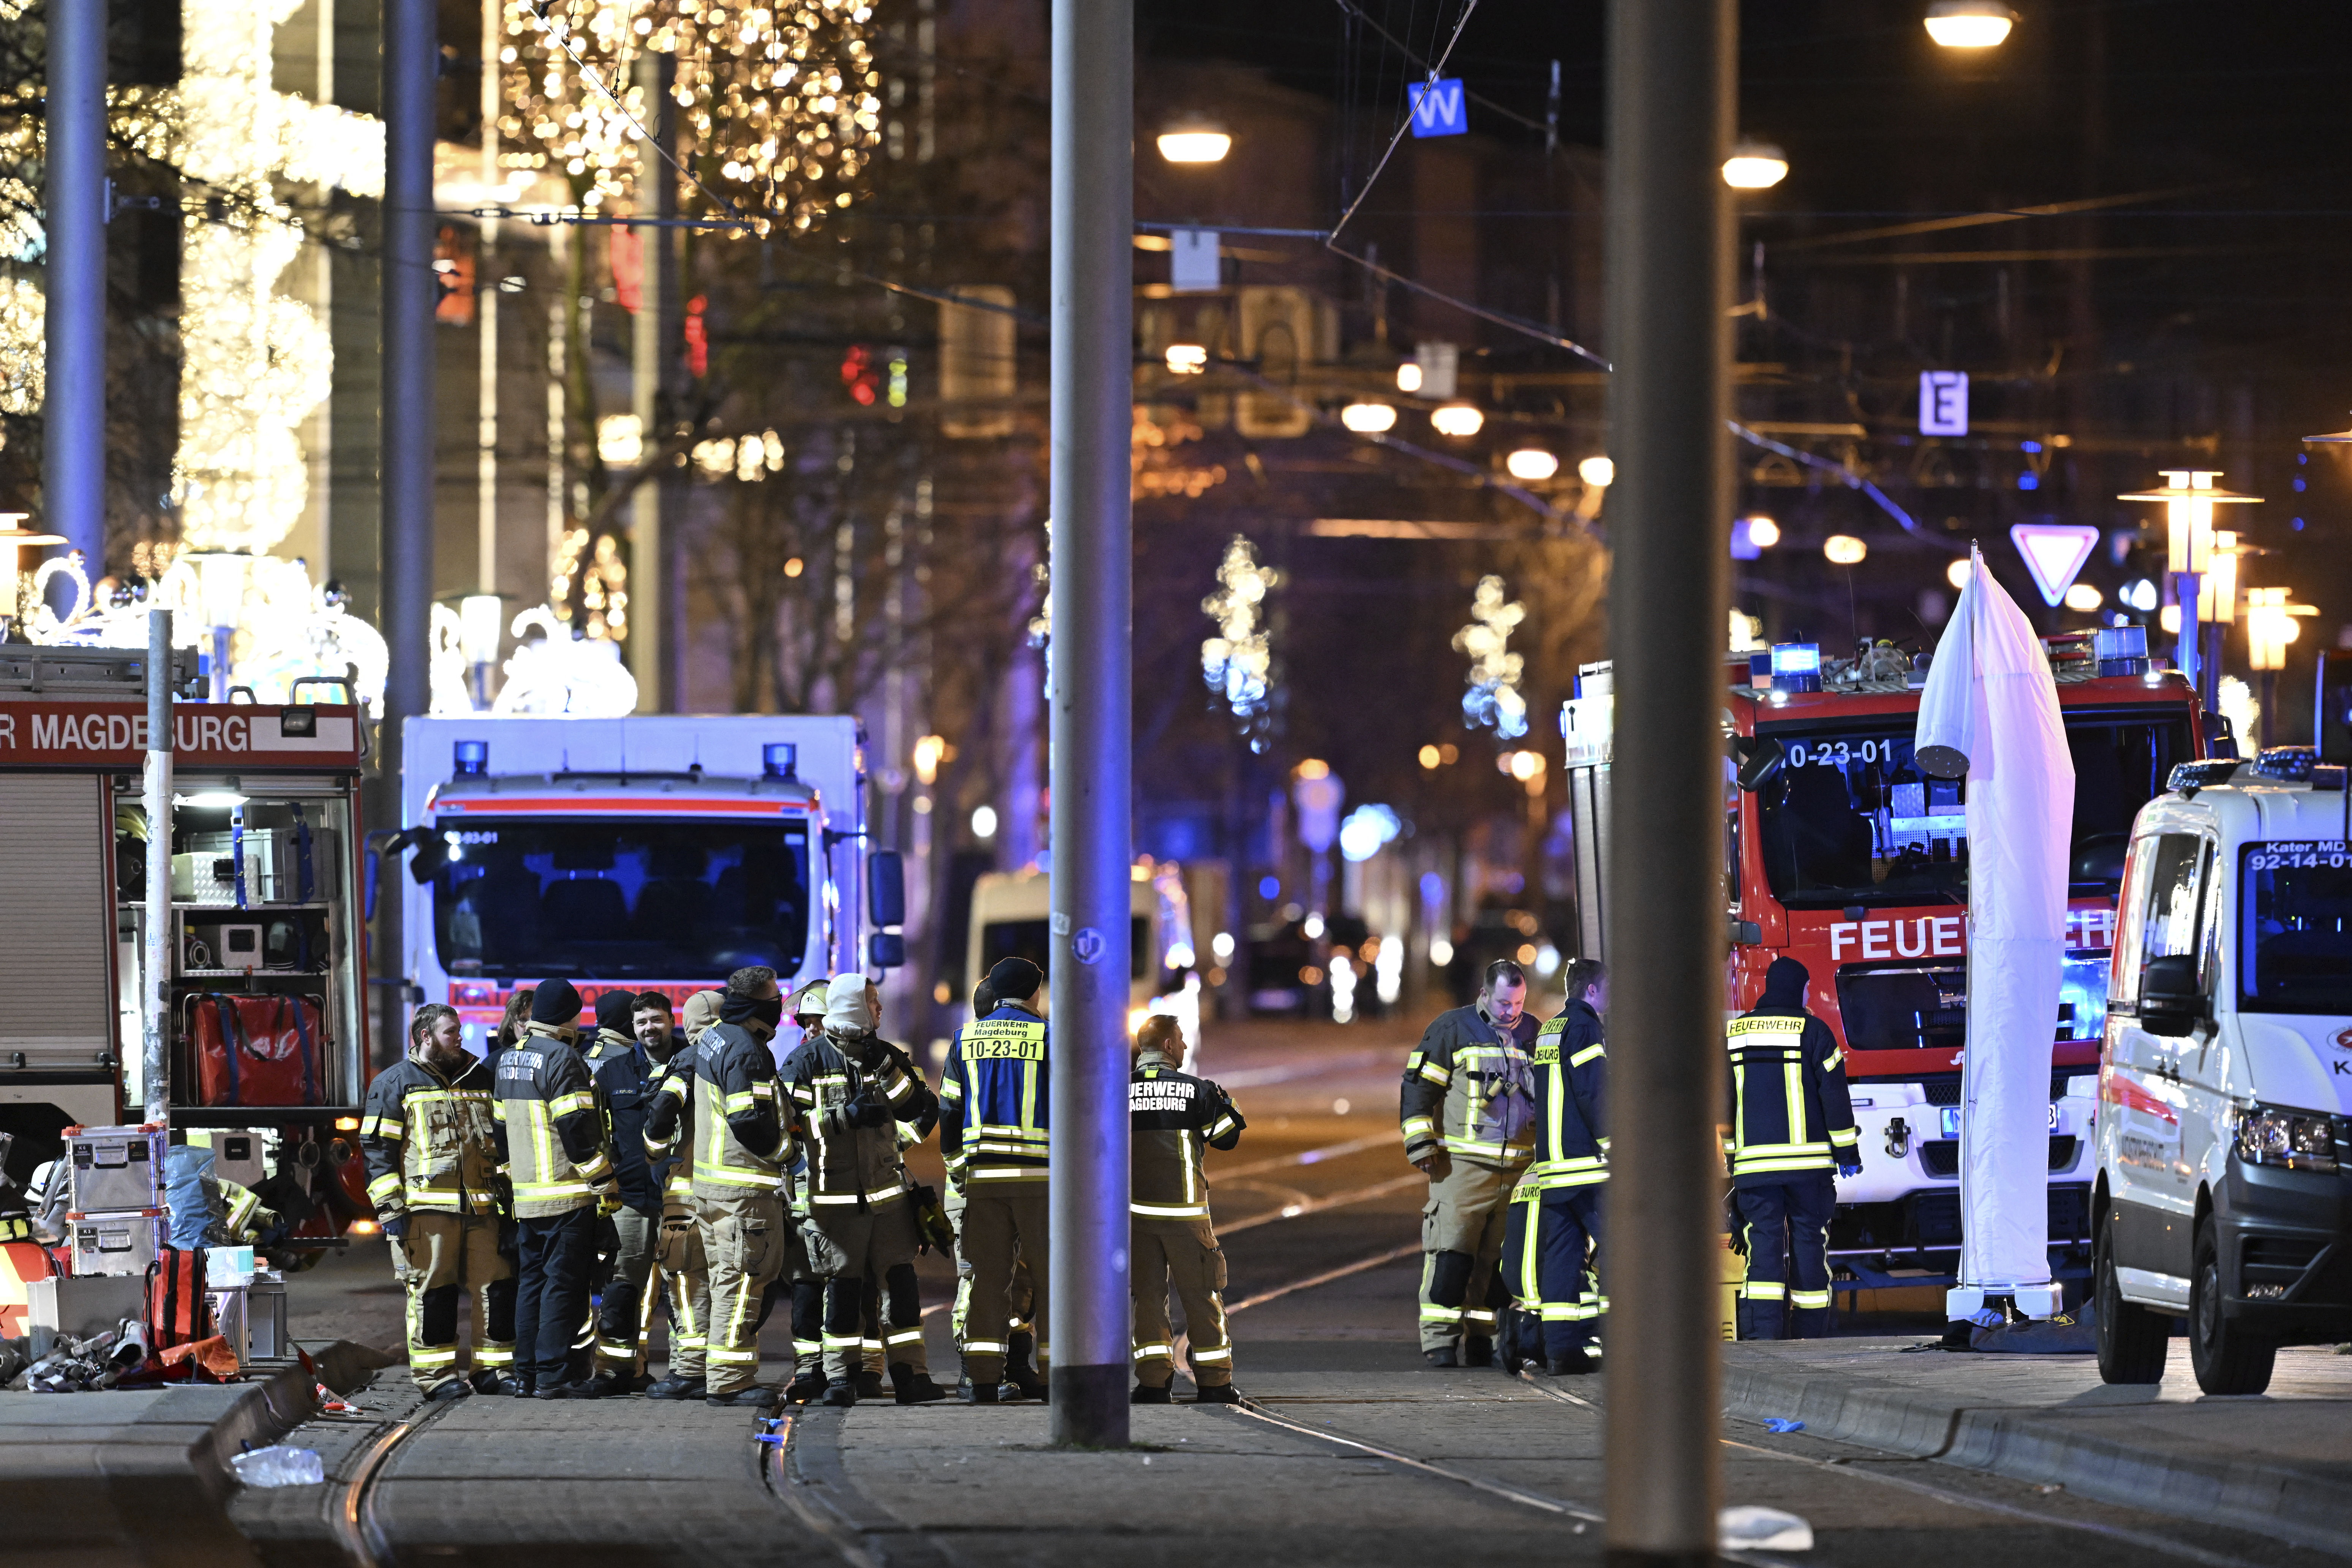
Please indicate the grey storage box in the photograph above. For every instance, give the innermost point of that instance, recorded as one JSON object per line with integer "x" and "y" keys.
{"x": 115, "y": 1168}
{"x": 265, "y": 1320}
{"x": 273, "y": 867}
{"x": 117, "y": 1244}
{"x": 79, "y": 1307}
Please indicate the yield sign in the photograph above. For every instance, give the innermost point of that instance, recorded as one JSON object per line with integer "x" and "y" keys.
{"x": 2054, "y": 553}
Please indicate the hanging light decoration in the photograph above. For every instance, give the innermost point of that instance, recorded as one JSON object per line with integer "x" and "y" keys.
{"x": 779, "y": 111}
{"x": 1494, "y": 700}
{"x": 1237, "y": 662}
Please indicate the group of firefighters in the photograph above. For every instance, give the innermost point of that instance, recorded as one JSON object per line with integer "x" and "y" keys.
{"x": 1507, "y": 1118}
{"x": 676, "y": 1165}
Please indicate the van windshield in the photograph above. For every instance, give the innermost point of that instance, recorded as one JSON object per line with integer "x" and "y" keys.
{"x": 1850, "y": 819}
{"x": 620, "y": 900}
{"x": 2294, "y": 953}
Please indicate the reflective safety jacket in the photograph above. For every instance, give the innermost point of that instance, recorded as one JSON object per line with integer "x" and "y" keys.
{"x": 994, "y": 1125}
{"x": 1469, "y": 1088}
{"x": 623, "y": 1071}
{"x": 742, "y": 1136}
{"x": 852, "y": 1093}
{"x": 1174, "y": 1121}
{"x": 559, "y": 1148}
{"x": 1571, "y": 1071}
{"x": 1789, "y": 1108}
{"x": 433, "y": 1141}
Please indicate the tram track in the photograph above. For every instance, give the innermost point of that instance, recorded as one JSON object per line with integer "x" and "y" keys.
{"x": 357, "y": 1528}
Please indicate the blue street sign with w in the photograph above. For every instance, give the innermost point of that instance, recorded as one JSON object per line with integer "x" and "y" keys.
{"x": 1438, "y": 109}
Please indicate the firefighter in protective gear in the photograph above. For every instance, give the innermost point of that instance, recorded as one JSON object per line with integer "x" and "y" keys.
{"x": 1791, "y": 1126}
{"x": 743, "y": 1142}
{"x": 560, "y": 1166}
{"x": 1174, "y": 1121}
{"x": 807, "y": 1285}
{"x": 1467, "y": 1114}
{"x": 680, "y": 1267}
{"x": 994, "y": 1101}
{"x": 853, "y": 1088}
{"x": 1555, "y": 1223}
{"x": 624, "y": 1070}
{"x": 434, "y": 1147}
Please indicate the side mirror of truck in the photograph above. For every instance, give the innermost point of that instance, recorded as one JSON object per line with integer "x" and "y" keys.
{"x": 885, "y": 887}
{"x": 2172, "y": 1002}
{"x": 887, "y": 950}
{"x": 1763, "y": 760}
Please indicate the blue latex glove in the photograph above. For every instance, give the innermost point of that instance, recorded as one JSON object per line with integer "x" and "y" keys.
{"x": 1852, "y": 1170}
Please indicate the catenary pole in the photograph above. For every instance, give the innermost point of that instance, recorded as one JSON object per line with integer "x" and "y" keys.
{"x": 73, "y": 408}
{"x": 412, "y": 54}
{"x": 1092, "y": 398}
{"x": 154, "y": 998}
{"x": 654, "y": 346}
{"x": 1671, "y": 65}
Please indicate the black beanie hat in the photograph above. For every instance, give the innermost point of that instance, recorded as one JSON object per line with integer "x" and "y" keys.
{"x": 1015, "y": 979}
{"x": 1784, "y": 984}
{"x": 554, "y": 1002}
{"x": 613, "y": 1009}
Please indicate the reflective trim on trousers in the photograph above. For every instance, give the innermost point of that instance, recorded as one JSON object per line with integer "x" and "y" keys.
{"x": 983, "y": 1347}
{"x": 1225, "y": 1355}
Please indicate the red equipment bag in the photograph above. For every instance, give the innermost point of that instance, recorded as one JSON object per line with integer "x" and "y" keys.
{"x": 177, "y": 1311}
{"x": 255, "y": 1050}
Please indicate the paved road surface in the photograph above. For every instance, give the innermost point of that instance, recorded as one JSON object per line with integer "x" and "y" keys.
{"x": 1356, "y": 1451}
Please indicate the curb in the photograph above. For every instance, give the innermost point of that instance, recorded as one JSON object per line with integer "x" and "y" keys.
{"x": 2307, "y": 1507}
{"x": 152, "y": 1487}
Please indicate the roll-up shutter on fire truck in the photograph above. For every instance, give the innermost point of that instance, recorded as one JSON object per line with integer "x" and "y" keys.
{"x": 56, "y": 932}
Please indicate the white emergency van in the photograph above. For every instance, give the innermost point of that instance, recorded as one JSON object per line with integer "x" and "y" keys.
{"x": 2224, "y": 1188}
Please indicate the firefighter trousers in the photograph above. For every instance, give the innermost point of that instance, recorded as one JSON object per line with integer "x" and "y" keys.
{"x": 1462, "y": 1243}
{"x": 621, "y": 1309}
{"x": 1785, "y": 1229}
{"x": 1004, "y": 1226}
{"x": 551, "y": 1300}
{"x": 879, "y": 1244}
{"x": 450, "y": 1256}
{"x": 684, "y": 1278}
{"x": 1021, "y": 1296}
{"x": 743, "y": 1238}
{"x": 1183, "y": 1253}
{"x": 1549, "y": 1262}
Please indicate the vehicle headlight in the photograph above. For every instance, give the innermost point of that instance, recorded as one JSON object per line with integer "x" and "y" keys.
{"x": 2297, "y": 1139}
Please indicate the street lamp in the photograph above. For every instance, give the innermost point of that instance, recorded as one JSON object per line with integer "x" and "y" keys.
{"x": 1970, "y": 24}
{"x": 1844, "y": 549}
{"x": 2190, "y": 496}
{"x": 1369, "y": 418}
{"x": 1458, "y": 419}
{"x": 1755, "y": 166}
{"x": 1193, "y": 139}
{"x": 1597, "y": 471}
{"x": 1763, "y": 531}
{"x": 2269, "y": 626}
{"x": 1531, "y": 463}
{"x": 1409, "y": 376}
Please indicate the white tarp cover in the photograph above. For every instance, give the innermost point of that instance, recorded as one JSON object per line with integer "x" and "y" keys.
{"x": 1990, "y": 697}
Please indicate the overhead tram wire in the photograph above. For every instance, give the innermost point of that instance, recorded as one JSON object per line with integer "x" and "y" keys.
{"x": 1469, "y": 9}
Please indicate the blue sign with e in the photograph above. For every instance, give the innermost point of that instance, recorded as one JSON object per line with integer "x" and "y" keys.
{"x": 1439, "y": 107}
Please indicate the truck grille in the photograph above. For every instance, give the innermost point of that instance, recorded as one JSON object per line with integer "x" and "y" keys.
{"x": 1941, "y": 1156}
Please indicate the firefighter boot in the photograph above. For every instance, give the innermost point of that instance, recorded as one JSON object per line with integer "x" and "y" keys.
{"x": 808, "y": 1387}
{"x": 913, "y": 1386}
{"x": 973, "y": 1393}
{"x": 1020, "y": 1372}
{"x": 1147, "y": 1393}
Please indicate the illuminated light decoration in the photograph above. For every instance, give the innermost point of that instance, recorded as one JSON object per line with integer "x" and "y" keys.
{"x": 1531, "y": 463}
{"x": 1429, "y": 758}
{"x": 2138, "y": 595}
{"x": 24, "y": 357}
{"x": 620, "y": 440}
{"x": 984, "y": 822}
{"x": 1755, "y": 166}
{"x": 1844, "y": 549}
{"x": 778, "y": 109}
{"x": 2083, "y": 597}
{"x": 1409, "y": 376}
{"x": 1369, "y": 418}
{"x": 1597, "y": 471}
{"x": 1194, "y": 139}
{"x": 1763, "y": 533}
{"x": 1388, "y": 969}
{"x": 1367, "y": 830}
{"x": 451, "y": 692}
{"x": 1970, "y": 24}
{"x": 562, "y": 672}
{"x": 1343, "y": 994}
{"x": 1493, "y": 699}
{"x": 927, "y": 755}
{"x": 1187, "y": 359}
{"x": 2217, "y": 592}
{"x": 1457, "y": 419}
{"x": 1237, "y": 662}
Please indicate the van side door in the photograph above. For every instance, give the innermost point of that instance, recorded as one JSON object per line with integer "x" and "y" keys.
{"x": 2151, "y": 1186}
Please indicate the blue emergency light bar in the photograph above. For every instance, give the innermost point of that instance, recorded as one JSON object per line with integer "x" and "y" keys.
{"x": 1796, "y": 667}
{"x": 2120, "y": 650}
{"x": 473, "y": 758}
{"x": 779, "y": 760}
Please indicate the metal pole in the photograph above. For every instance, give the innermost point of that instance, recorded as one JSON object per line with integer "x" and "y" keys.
{"x": 154, "y": 996}
{"x": 1092, "y": 395}
{"x": 1671, "y": 65}
{"x": 73, "y": 455}
{"x": 653, "y": 355}
{"x": 412, "y": 52}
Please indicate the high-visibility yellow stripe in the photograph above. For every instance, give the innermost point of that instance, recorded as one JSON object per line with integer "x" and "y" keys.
{"x": 1168, "y": 1211}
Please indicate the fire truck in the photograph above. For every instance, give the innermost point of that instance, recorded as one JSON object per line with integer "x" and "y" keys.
{"x": 1838, "y": 851}
{"x": 265, "y": 1023}
{"x": 654, "y": 853}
